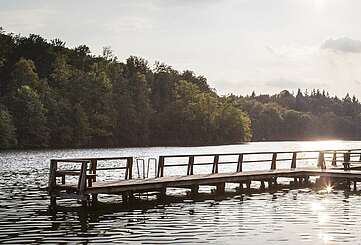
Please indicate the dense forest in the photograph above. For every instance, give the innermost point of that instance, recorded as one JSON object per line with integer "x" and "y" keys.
{"x": 54, "y": 96}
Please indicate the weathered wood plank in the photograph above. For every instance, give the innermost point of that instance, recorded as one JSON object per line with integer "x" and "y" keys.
{"x": 204, "y": 179}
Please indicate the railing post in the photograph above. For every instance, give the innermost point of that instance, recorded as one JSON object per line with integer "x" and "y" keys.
{"x": 274, "y": 159}
{"x": 321, "y": 160}
{"x": 82, "y": 178}
{"x": 294, "y": 160}
{"x": 52, "y": 175}
{"x": 161, "y": 167}
{"x": 240, "y": 163}
{"x": 129, "y": 168}
{"x": 92, "y": 170}
{"x": 190, "y": 165}
{"x": 334, "y": 159}
{"x": 215, "y": 164}
{"x": 346, "y": 159}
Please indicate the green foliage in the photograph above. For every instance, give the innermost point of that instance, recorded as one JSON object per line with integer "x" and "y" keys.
{"x": 7, "y": 129}
{"x": 62, "y": 97}
{"x": 29, "y": 117}
{"x": 304, "y": 116}
{"x": 23, "y": 73}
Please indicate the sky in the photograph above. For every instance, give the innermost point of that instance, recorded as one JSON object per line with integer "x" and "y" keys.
{"x": 239, "y": 45}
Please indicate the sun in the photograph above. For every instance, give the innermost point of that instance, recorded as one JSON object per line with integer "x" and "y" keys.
{"x": 329, "y": 188}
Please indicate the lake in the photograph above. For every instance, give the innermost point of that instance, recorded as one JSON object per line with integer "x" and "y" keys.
{"x": 289, "y": 216}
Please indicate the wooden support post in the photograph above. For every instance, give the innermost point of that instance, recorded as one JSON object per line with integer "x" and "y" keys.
{"x": 215, "y": 164}
{"x": 295, "y": 181}
{"x": 240, "y": 169}
{"x": 52, "y": 182}
{"x": 334, "y": 159}
{"x": 274, "y": 160}
{"x": 307, "y": 179}
{"x": 53, "y": 200}
{"x": 82, "y": 183}
{"x": 294, "y": 159}
{"x": 52, "y": 175}
{"x": 194, "y": 190}
{"x": 346, "y": 160}
{"x": 240, "y": 188}
{"x": 190, "y": 165}
{"x": 131, "y": 195}
{"x": 275, "y": 181}
{"x": 294, "y": 165}
{"x": 94, "y": 199}
{"x": 355, "y": 186}
{"x": 82, "y": 177}
{"x": 92, "y": 170}
{"x": 321, "y": 160}
{"x": 348, "y": 184}
{"x": 248, "y": 183}
{"x": 129, "y": 168}
{"x": 240, "y": 163}
{"x": 163, "y": 193}
{"x": 220, "y": 188}
{"x": 262, "y": 185}
{"x": 270, "y": 186}
{"x": 160, "y": 172}
{"x": 125, "y": 198}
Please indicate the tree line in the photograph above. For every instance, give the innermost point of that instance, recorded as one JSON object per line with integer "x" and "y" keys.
{"x": 308, "y": 115}
{"x": 55, "y": 96}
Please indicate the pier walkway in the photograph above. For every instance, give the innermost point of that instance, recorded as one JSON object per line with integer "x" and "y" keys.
{"x": 84, "y": 183}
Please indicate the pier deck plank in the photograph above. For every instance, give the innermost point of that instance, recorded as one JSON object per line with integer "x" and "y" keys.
{"x": 208, "y": 179}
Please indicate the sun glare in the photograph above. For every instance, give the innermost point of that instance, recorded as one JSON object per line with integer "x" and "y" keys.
{"x": 326, "y": 238}
{"x": 316, "y": 206}
{"x": 319, "y": 4}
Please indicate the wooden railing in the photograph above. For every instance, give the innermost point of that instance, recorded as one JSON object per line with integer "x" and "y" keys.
{"x": 89, "y": 167}
{"x": 87, "y": 173}
{"x": 333, "y": 156}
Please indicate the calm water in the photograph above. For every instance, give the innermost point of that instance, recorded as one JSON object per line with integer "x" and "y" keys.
{"x": 286, "y": 217}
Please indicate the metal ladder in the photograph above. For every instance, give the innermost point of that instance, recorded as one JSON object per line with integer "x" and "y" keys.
{"x": 143, "y": 169}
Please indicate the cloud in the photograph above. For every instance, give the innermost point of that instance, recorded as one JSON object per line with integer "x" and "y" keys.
{"x": 292, "y": 84}
{"x": 129, "y": 23}
{"x": 343, "y": 44}
{"x": 26, "y": 20}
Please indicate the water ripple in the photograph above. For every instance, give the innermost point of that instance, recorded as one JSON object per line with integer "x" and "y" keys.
{"x": 285, "y": 217}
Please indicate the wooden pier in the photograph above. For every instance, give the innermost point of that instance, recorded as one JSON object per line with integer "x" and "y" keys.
{"x": 80, "y": 179}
